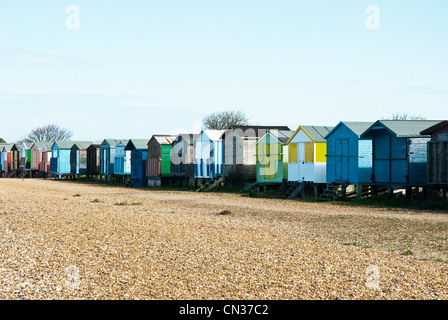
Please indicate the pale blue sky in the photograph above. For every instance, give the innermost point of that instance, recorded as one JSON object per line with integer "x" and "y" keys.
{"x": 136, "y": 68}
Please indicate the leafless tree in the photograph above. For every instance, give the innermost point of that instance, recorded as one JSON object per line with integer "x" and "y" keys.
{"x": 404, "y": 116}
{"x": 49, "y": 132}
{"x": 224, "y": 119}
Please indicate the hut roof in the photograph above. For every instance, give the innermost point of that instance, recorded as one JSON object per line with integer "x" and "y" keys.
{"x": 281, "y": 135}
{"x": 7, "y": 146}
{"x": 434, "y": 128}
{"x": 258, "y": 130}
{"x": 402, "y": 128}
{"x": 2, "y": 140}
{"x": 40, "y": 144}
{"x": 214, "y": 135}
{"x": 137, "y": 143}
{"x": 114, "y": 142}
{"x": 357, "y": 127}
{"x": 163, "y": 139}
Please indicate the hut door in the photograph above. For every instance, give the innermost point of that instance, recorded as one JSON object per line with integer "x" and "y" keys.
{"x": 344, "y": 160}
{"x": 301, "y": 161}
{"x": 382, "y": 158}
{"x": 77, "y": 161}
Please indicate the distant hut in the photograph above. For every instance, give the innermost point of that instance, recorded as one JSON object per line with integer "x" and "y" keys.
{"x": 307, "y": 150}
{"x": 208, "y": 152}
{"x": 139, "y": 153}
{"x": 182, "y": 158}
{"x": 37, "y": 149}
{"x": 60, "y": 158}
{"x": 15, "y": 157}
{"x": 239, "y": 152}
{"x": 437, "y": 164}
{"x": 45, "y": 161}
{"x": 25, "y": 155}
{"x": 272, "y": 157}
{"x": 107, "y": 157}
{"x": 399, "y": 153}
{"x": 6, "y": 158}
{"x": 158, "y": 161}
{"x": 78, "y": 157}
{"x": 2, "y": 141}
{"x": 93, "y": 160}
{"x": 122, "y": 161}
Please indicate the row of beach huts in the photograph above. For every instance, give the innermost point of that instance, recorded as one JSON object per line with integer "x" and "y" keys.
{"x": 351, "y": 158}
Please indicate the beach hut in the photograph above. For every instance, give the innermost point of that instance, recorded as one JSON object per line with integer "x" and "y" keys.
{"x": 349, "y": 158}
{"x": 45, "y": 158}
{"x": 107, "y": 157}
{"x": 239, "y": 152}
{"x": 306, "y": 154}
{"x": 272, "y": 157}
{"x": 60, "y": 158}
{"x": 93, "y": 160}
{"x": 6, "y": 158}
{"x": 36, "y": 154}
{"x": 25, "y": 155}
{"x": 78, "y": 157}
{"x": 122, "y": 160}
{"x": 399, "y": 153}
{"x": 208, "y": 154}
{"x": 182, "y": 157}
{"x": 2, "y": 168}
{"x": 158, "y": 161}
{"x": 437, "y": 164}
{"x": 15, "y": 157}
{"x": 139, "y": 153}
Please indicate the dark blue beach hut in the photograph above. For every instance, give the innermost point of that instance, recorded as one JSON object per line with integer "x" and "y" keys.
{"x": 139, "y": 153}
{"x": 399, "y": 152}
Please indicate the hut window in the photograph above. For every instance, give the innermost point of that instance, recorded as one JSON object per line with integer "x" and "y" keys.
{"x": 292, "y": 153}
{"x": 309, "y": 152}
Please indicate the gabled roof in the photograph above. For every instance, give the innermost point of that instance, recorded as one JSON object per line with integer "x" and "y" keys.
{"x": 39, "y": 145}
{"x": 2, "y": 141}
{"x": 214, "y": 135}
{"x": 357, "y": 127}
{"x": 83, "y": 145}
{"x": 137, "y": 144}
{"x": 114, "y": 142}
{"x": 315, "y": 133}
{"x": 7, "y": 146}
{"x": 163, "y": 139}
{"x": 434, "y": 128}
{"x": 281, "y": 135}
{"x": 402, "y": 128}
{"x": 258, "y": 131}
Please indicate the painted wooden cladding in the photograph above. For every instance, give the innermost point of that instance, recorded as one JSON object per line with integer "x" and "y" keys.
{"x": 93, "y": 160}
{"x": 272, "y": 159}
{"x": 159, "y": 156}
{"x": 139, "y": 154}
{"x": 307, "y": 155}
{"x": 349, "y": 158}
{"x": 438, "y": 162}
{"x": 209, "y": 154}
{"x": 122, "y": 160}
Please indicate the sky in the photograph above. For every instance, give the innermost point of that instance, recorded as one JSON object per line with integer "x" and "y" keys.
{"x": 131, "y": 69}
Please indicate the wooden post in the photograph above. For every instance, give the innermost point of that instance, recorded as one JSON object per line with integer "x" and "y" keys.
{"x": 359, "y": 191}
{"x": 409, "y": 194}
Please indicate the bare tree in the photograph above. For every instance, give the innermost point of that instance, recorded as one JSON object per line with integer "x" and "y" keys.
{"x": 49, "y": 132}
{"x": 224, "y": 119}
{"x": 404, "y": 116}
